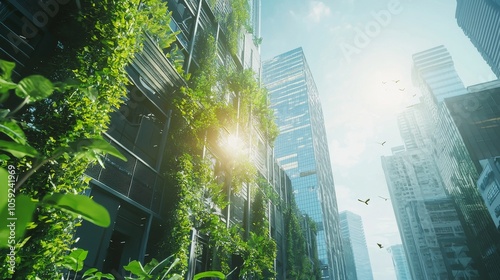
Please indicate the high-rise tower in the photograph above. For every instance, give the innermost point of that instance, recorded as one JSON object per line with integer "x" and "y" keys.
{"x": 353, "y": 235}
{"x": 302, "y": 150}
{"x": 480, "y": 21}
{"x": 456, "y": 144}
{"x": 430, "y": 228}
{"x": 400, "y": 263}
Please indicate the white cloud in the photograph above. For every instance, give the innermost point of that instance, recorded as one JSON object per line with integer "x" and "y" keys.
{"x": 317, "y": 11}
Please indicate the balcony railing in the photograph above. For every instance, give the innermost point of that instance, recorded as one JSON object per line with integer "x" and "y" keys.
{"x": 134, "y": 179}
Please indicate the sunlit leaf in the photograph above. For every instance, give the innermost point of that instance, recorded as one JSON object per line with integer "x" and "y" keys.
{"x": 80, "y": 205}
{"x": 97, "y": 146}
{"x": 89, "y": 271}
{"x": 6, "y": 85}
{"x": 158, "y": 267}
{"x": 16, "y": 216}
{"x": 11, "y": 129}
{"x": 4, "y": 186}
{"x": 18, "y": 150}
{"x": 135, "y": 267}
{"x": 176, "y": 277}
{"x": 209, "y": 274}
{"x": 99, "y": 275}
{"x": 35, "y": 87}
{"x": 74, "y": 261}
{"x": 6, "y": 67}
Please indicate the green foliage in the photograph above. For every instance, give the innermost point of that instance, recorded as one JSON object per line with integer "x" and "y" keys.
{"x": 235, "y": 22}
{"x": 21, "y": 207}
{"x": 299, "y": 265}
{"x": 74, "y": 261}
{"x": 100, "y": 43}
{"x": 254, "y": 101}
{"x": 206, "y": 112}
{"x": 63, "y": 122}
{"x": 79, "y": 206}
{"x": 153, "y": 270}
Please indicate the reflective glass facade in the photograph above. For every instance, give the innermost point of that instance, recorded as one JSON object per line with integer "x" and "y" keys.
{"x": 480, "y": 21}
{"x": 477, "y": 117}
{"x": 353, "y": 234}
{"x": 435, "y": 70}
{"x": 428, "y": 222}
{"x": 488, "y": 185}
{"x": 454, "y": 142}
{"x": 399, "y": 261}
{"x": 302, "y": 151}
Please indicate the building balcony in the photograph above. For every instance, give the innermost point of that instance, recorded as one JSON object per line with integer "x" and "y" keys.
{"x": 133, "y": 179}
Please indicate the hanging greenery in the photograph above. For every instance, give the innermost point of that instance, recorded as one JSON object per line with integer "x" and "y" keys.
{"x": 101, "y": 42}
{"x": 206, "y": 112}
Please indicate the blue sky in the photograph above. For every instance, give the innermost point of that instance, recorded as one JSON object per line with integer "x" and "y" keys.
{"x": 352, "y": 46}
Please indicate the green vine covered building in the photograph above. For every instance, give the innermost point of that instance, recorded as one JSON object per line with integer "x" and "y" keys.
{"x": 175, "y": 87}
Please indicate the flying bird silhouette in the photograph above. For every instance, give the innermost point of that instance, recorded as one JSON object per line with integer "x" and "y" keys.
{"x": 402, "y": 89}
{"x": 364, "y": 201}
{"x": 384, "y": 198}
{"x": 396, "y": 81}
{"x": 382, "y": 143}
{"x": 380, "y": 245}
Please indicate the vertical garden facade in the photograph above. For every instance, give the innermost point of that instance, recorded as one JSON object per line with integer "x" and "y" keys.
{"x": 174, "y": 86}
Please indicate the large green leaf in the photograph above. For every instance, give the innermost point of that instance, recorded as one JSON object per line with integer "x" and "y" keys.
{"x": 158, "y": 267}
{"x": 74, "y": 261}
{"x": 135, "y": 267}
{"x": 3, "y": 112}
{"x": 80, "y": 205}
{"x": 99, "y": 275}
{"x": 175, "y": 277}
{"x": 11, "y": 129}
{"x": 6, "y": 67}
{"x": 209, "y": 274}
{"x": 16, "y": 219}
{"x": 18, "y": 150}
{"x": 34, "y": 87}
{"x": 4, "y": 187}
{"x": 96, "y": 145}
{"x": 5, "y": 86}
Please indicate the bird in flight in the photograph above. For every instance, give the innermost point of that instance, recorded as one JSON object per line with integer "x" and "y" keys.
{"x": 380, "y": 245}
{"x": 382, "y": 143}
{"x": 396, "y": 81}
{"x": 364, "y": 201}
{"x": 402, "y": 89}
{"x": 384, "y": 198}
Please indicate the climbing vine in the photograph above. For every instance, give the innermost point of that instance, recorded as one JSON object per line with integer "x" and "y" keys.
{"x": 94, "y": 50}
{"x": 218, "y": 99}
{"x": 100, "y": 43}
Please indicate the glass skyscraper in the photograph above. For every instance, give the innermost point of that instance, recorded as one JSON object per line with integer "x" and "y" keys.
{"x": 399, "y": 260}
{"x": 428, "y": 222}
{"x": 454, "y": 144}
{"x": 435, "y": 69}
{"x": 480, "y": 21}
{"x": 302, "y": 151}
{"x": 358, "y": 265}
